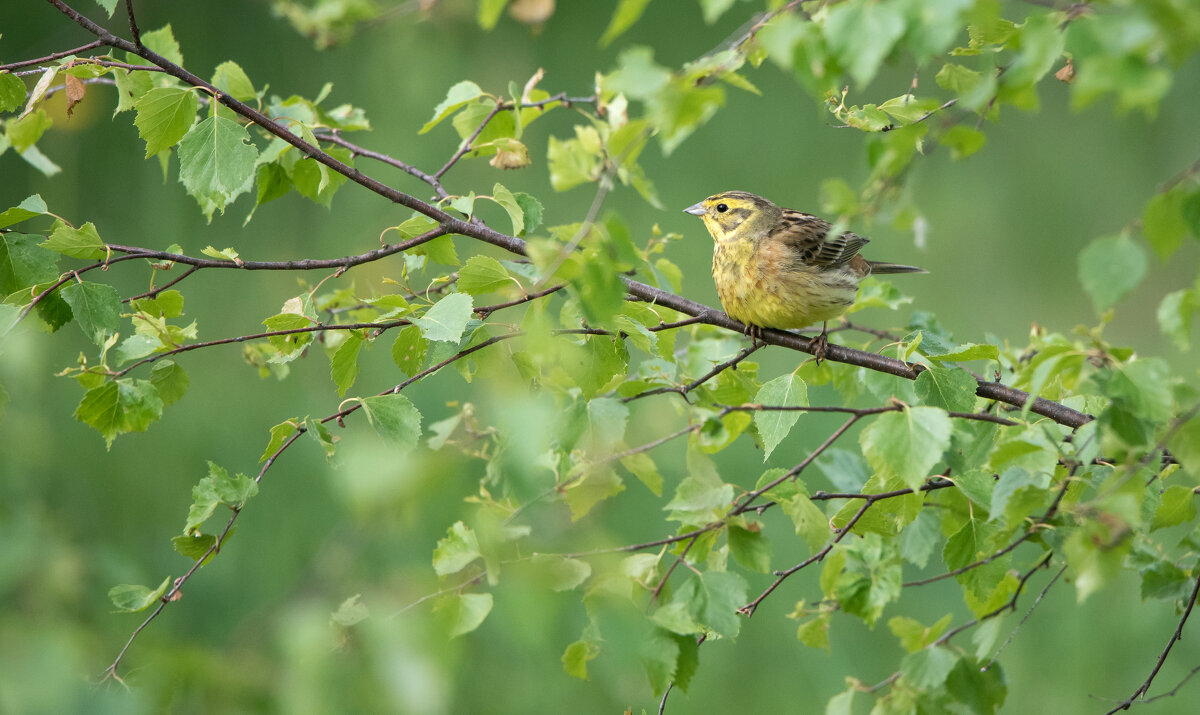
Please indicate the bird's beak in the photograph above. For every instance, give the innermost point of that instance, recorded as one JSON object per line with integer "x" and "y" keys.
{"x": 696, "y": 209}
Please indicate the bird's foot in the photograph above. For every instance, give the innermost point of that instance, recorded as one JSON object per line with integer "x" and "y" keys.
{"x": 755, "y": 333}
{"x": 820, "y": 344}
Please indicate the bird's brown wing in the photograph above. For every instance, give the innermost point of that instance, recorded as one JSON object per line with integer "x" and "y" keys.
{"x": 810, "y": 242}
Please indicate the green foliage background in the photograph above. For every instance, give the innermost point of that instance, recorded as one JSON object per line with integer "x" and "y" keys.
{"x": 253, "y": 630}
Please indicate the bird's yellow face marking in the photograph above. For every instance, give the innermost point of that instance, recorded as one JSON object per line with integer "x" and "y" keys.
{"x": 725, "y": 213}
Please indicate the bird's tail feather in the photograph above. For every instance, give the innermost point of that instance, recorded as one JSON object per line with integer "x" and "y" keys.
{"x": 884, "y": 267}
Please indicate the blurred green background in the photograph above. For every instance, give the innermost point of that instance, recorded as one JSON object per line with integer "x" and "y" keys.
{"x": 252, "y": 632}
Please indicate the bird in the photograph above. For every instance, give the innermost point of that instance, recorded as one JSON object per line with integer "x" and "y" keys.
{"x": 781, "y": 268}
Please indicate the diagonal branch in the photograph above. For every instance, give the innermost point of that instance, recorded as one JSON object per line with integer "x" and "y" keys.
{"x": 1162, "y": 657}
{"x": 449, "y": 224}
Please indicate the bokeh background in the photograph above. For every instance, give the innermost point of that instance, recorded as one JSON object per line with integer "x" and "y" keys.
{"x": 252, "y": 633}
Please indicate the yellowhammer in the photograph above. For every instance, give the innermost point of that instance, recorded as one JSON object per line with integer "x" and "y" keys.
{"x": 781, "y": 268}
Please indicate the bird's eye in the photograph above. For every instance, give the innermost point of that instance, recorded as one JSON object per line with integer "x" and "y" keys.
{"x": 722, "y": 208}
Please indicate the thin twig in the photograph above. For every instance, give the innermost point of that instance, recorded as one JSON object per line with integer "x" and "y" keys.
{"x": 864, "y": 411}
{"x": 1011, "y": 604}
{"x": 683, "y": 390}
{"x": 51, "y": 57}
{"x": 782, "y": 576}
{"x": 1028, "y": 613}
{"x": 1162, "y": 657}
{"x": 678, "y": 559}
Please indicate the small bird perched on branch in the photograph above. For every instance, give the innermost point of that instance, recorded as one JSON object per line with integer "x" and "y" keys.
{"x": 781, "y": 268}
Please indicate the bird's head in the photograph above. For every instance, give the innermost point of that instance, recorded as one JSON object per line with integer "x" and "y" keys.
{"x": 725, "y": 213}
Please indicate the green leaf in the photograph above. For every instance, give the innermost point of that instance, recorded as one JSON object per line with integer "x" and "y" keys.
{"x": 227, "y": 254}
{"x": 815, "y": 633}
{"x": 325, "y": 439}
{"x": 440, "y": 250}
{"x": 120, "y": 406}
{"x": 1185, "y": 446}
{"x": 83, "y": 242}
{"x": 871, "y": 578}
{"x": 231, "y": 79}
{"x": 408, "y": 351}
{"x": 395, "y": 418}
{"x": 446, "y": 319}
{"x": 962, "y": 141}
{"x": 978, "y": 485}
{"x": 861, "y": 34}
{"x": 32, "y": 206}
{"x": 642, "y": 466}
{"x": 482, "y": 274}
{"x": 571, "y": 162}
{"x": 164, "y": 116}
{"x": 350, "y": 612}
{"x": 12, "y": 91}
{"x": 531, "y": 210}
{"x": 699, "y": 493}
{"x": 197, "y": 546}
{"x": 713, "y": 599}
{"x": 593, "y": 365}
{"x": 712, "y": 10}
{"x": 36, "y": 159}
{"x": 919, "y": 539}
{"x": 980, "y": 691}
{"x": 1165, "y": 580}
{"x": 1178, "y": 505}
{"x": 575, "y": 658}
{"x": 163, "y": 42}
{"x": 24, "y": 263}
{"x": 1039, "y": 42}
{"x": 464, "y": 204}
{"x": 773, "y": 425}
{"x": 167, "y": 304}
{"x": 750, "y": 547}
{"x": 131, "y": 598}
{"x": 928, "y": 668}
{"x": 915, "y": 636}
{"x": 97, "y": 308}
{"x": 564, "y": 573}
{"x": 343, "y": 365}
{"x": 1191, "y": 213}
{"x": 961, "y": 353}
{"x": 811, "y": 523}
{"x": 589, "y": 490}
{"x": 23, "y": 133}
{"x": 280, "y": 433}
{"x": 169, "y": 380}
{"x": 458, "y": 549}
{"x": 875, "y": 293}
{"x": 952, "y": 389}
{"x": 291, "y": 343}
{"x": 907, "y": 444}
{"x": 676, "y": 618}
{"x": 607, "y": 418}
{"x": 508, "y": 200}
{"x": 464, "y": 612}
{"x": 1163, "y": 224}
{"x": 1109, "y": 268}
{"x": 489, "y": 12}
{"x": 626, "y": 14}
{"x": 660, "y": 652}
{"x": 214, "y": 490}
{"x": 974, "y": 90}
{"x": 458, "y": 95}
{"x": 216, "y": 162}
{"x": 1094, "y": 558}
{"x": 130, "y": 88}
{"x": 1175, "y": 316}
{"x": 1017, "y": 493}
